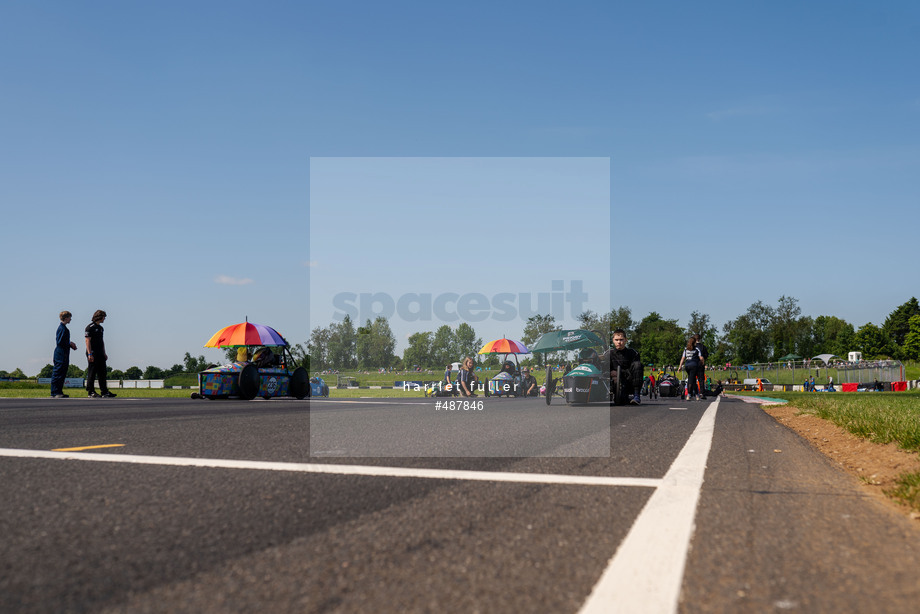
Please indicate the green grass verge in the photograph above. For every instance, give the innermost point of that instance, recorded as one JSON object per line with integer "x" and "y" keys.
{"x": 908, "y": 490}
{"x": 880, "y": 417}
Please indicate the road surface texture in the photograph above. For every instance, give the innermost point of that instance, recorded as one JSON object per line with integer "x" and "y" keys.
{"x": 393, "y": 506}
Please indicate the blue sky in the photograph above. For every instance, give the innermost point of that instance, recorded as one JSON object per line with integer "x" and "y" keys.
{"x": 155, "y": 158}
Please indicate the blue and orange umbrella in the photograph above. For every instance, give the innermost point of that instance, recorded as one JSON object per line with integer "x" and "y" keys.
{"x": 504, "y": 346}
{"x": 245, "y": 333}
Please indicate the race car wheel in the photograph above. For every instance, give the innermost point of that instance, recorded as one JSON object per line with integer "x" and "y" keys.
{"x": 249, "y": 381}
{"x": 299, "y": 385}
{"x": 550, "y": 385}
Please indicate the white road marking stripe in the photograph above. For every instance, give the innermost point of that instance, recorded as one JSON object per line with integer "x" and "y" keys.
{"x": 396, "y": 472}
{"x": 646, "y": 573}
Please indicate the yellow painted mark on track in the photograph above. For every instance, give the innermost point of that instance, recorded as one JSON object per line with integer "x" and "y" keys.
{"x": 108, "y": 445}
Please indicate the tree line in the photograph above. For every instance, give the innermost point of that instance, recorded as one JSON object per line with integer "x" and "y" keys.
{"x": 767, "y": 333}
{"x": 763, "y": 333}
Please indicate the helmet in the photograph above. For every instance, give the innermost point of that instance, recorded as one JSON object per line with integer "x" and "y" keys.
{"x": 588, "y": 355}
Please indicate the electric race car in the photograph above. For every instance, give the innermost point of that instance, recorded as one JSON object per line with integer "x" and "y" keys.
{"x": 265, "y": 373}
{"x": 587, "y": 382}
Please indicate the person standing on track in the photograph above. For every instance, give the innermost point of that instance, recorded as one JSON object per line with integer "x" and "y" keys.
{"x": 704, "y": 354}
{"x": 62, "y": 348}
{"x": 96, "y": 357}
{"x": 692, "y": 361}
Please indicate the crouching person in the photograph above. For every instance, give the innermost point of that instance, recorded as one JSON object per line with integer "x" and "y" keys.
{"x": 466, "y": 381}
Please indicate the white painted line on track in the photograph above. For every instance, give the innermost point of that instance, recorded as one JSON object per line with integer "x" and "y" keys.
{"x": 646, "y": 573}
{"x": 361, "y": 401}
{"x": 365, "y": 470}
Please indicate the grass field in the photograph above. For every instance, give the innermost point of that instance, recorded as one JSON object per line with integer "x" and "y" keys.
{"x": 880, "y": 417}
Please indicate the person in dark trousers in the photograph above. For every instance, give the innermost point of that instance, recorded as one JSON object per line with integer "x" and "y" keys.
{"x": 63, "y": 346}
{"x": 629, "y": 362}
{"x": 447, "y": 386}
{"x": 96, "y": 357}
{"x": 692, "y": 361}
{"x": 529, "y": 384}
{"x": 704, "y": 353}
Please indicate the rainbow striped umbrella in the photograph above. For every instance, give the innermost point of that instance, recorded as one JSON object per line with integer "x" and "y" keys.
{"x": 504, "y": 346}
{"x": 245, "y": 333}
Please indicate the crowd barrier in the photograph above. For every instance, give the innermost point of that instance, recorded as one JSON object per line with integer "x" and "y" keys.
{"x": 79, "y": 382}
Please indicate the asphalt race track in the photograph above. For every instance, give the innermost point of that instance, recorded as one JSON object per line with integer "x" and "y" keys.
{"x": 379, "y": 505}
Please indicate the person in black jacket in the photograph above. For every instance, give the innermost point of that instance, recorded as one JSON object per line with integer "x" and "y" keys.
{"x": 701, "y": 373}
{"x": 629, "y": 362}
{"x": 691, "y": 359}
{"x": 63, "y": 346}
{"x": 96, "y": 357}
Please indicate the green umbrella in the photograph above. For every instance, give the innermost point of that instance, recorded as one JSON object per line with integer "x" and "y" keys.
{"x": 557, "y": 340}
{"x": 790, "y": 357}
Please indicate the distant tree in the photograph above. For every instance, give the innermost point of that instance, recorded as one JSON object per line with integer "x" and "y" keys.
{"x": 699, "y": 324}
{"x": 468, "y": 344}
{"x": 444, "y": 346}
{"x": 897, "y": 324}
{"x": 588, "y": 320}
{"x": 621, "y": 317}
{"x": 804, "y": 338}
{"x": 152, "y": 372}
{"x": 342, "y": 339}
{"x": 301, "y": 356}
{"x": 375, "y": 344}
{"x": 535, "y": 326}
{"x": 46, "y": 371}
{"x": 362, "y": 345}
{"x": 658, "y": 341}
{"x": 748, "y": 337}
{"x": 133, "y": 373}
{"x": 194, "y": 365}
{"x": 318, "y": 347}
{"x": 604, "y": 325}
{"x": 872, "y": 341}
{"x": 420, "y": 350}
{"x": 5, "y": 374}
{"x": 74, "y": 371}
{"x": 117, "y": 374}
{"x": 18, "y": 374}
{"x": 831, "y": 335}
{"x": 911, "y": 347}
{"x": 791, "y": 332}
